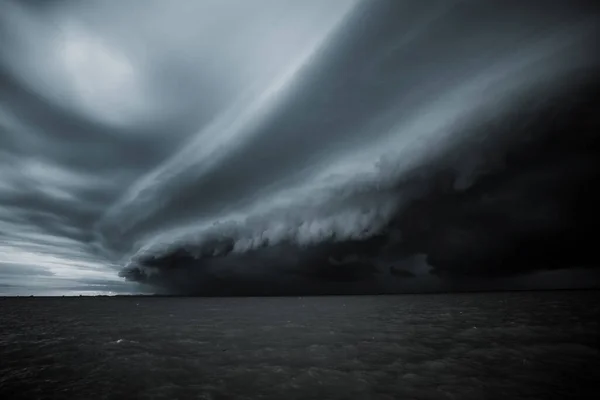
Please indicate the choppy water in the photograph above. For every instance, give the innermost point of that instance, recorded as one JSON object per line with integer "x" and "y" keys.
{"x": 529, "y": 345}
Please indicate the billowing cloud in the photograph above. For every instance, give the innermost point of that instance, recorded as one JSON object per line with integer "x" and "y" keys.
{"x": 285, "y": 146}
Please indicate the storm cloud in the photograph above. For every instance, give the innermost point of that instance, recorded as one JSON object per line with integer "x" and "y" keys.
{"x": 282, "y": 147}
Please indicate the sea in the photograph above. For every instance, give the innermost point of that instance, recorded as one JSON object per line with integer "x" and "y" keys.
{"x": 511, "y": 345}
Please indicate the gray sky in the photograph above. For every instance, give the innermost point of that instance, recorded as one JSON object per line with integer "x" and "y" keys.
{"x": 131, "y": 128}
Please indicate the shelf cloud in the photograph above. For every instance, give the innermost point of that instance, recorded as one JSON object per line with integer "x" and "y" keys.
{"x": 283, "y": 147}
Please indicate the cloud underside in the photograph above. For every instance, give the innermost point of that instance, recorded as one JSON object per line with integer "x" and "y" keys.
{"x": 531, "y": 207}
{"x": 365, "y": 148}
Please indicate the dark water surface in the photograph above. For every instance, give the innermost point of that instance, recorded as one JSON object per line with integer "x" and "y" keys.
{"x": 528, "y": 345}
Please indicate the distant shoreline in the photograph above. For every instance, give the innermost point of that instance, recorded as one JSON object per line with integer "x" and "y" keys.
{"x": 121, "y": 296}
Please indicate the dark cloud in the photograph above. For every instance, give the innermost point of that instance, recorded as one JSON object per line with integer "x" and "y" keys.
{"x": 530, "y": 207}
{"x": 400, "y": 272}
{"x": 536, "y": 211}
{"x": 352, "y": 146}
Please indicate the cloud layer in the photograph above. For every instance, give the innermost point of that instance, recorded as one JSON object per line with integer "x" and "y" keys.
{"x": 288, "y": 144}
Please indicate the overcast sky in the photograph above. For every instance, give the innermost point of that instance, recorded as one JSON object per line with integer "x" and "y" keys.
{"x": 170, "y": 146}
